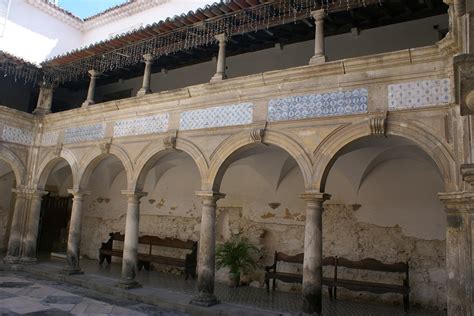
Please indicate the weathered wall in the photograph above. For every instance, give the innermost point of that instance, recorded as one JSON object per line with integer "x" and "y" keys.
{"x": 7, "y": 183}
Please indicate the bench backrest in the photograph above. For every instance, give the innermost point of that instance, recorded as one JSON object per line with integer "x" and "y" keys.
{"x": 282, "y": 257}
{"x": 373, "y": 265}
{"x": 156, "y": 241}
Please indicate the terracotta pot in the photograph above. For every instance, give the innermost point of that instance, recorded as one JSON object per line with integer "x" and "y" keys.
{"x": 234, "y": 279}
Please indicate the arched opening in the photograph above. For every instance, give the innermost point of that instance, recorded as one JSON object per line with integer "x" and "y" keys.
{"x": 56, "y": 179}
{"x": 8, "y": 182}
{"x": 262, "y": 184}
{"x": 384, "y": 205}
{"x": 104, "y": 209}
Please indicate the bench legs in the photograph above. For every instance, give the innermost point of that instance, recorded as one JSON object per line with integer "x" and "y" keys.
{"x": 104, "y": 257}
{"x": 406, "y": 302}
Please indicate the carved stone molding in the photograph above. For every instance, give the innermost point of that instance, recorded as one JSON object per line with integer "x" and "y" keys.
{"x": 257, "y": 134}
{"x": 58, "y": 149}
{"x": 464, "y": 82}
{"x": 104, "y": 146}
{"x": 378, "y": 124}
{"x": 170, "y": 141}
{"x": 467, "y": 172}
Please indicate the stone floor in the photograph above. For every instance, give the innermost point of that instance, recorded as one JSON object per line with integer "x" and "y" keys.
{"x": 22, "y": 294}
{"x": 174, "y": 293}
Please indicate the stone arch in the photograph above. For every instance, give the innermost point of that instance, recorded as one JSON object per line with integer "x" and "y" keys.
{"x": 15, "y": 163}
{"x": 50, "y": 162}
{"x": 327, "y": 152}
{"x": 156, "y": 150}
{"x": 220, "y": 159}
{"x": 92, "y": 159}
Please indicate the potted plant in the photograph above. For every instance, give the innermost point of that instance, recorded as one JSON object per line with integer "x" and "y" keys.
{"x": 237, "y": 254}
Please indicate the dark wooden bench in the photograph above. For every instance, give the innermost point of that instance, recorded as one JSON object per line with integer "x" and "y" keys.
{"x": 334, "y": 282}
{"x": 272, "y": 273}
{"x": 370, "y": 264}
{"x": 107, "y": 251}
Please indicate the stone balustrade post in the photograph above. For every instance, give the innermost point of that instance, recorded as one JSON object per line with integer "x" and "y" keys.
{"x": 220, "y": 72}
{"x": 94, "y": 74}
{"x": 313, "y": 252}
{"x": 14, "y": 242}
{"x": 130, "y": 246}
{"x": 74, "y": 237}
{"x": 459, "y": 263}
{"x": 319, "y": 50}
{"x": 207, "y": 247}
{"x": 148, "y": 59}
{"x": 45, "y": 99}
{"x": 29, "y": 249}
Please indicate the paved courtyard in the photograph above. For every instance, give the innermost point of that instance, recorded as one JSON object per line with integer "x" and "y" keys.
{"x": 22, "y": 294}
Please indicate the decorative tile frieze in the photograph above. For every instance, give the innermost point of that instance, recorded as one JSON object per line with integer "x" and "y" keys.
{"x": 219, "y": 116}
{"x": 84, "y": 133}
{"x": 17, "y": 135}
{"x": 416, "y": 94}
{"x": 318, "y": 105}
{"x": 49, "y": 138}
{"x": 141, "y": 126}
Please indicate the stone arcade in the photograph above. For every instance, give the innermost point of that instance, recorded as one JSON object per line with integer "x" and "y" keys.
{"x": 293, "y": 123}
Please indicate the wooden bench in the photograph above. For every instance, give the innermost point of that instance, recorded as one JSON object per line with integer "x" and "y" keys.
{"x": 272, "y": 273}
{"x": 374, "y": 287}
{"x": 107, "y": 251}
{"x": 334, "y": 282}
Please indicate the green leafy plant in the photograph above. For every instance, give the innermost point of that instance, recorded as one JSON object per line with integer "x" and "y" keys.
{"x": 237, "y": 254}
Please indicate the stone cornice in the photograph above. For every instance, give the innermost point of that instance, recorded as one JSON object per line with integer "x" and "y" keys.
{"x": 57, "y": 13}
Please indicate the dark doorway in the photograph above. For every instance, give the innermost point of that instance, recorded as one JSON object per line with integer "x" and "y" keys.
{"x": 54, "y": 223}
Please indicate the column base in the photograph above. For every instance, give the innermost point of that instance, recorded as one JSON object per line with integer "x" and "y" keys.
{"x": 128, "y": 284}
{"x": 11, "y": 260}
{"x": 87, "y": 103}
{"x": 143, "y": 92}
{"x": 218, "y": 77}
{"x": 205, "y": 300}
{"x": 317, "y": 59}
{"x": 28, "y": 260}
{"x": 67, "y": 270}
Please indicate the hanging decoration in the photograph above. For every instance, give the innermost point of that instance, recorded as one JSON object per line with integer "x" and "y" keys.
{"x": 181, "y": 36}
{"x": 18, "y": 69}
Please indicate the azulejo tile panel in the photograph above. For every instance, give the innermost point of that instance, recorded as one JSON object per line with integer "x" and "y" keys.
{"x": 219, "y": 116}
{"x": 49, "y": 138}
{"x": 416, "y": 94}
{"x": 318, "y": 105}
{"x": 17, "y": 135}
{"x": 141, "y": 126}
{"x": 84, "y": 133}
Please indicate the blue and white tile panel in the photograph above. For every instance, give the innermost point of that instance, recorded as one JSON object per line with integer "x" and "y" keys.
{"x": 417, "y": 94}
{"x": 49, "y": 138}
{"x": 318, "y": 105}
{"x": 17, "y": 135}
{"x": 84, "y": 133}
{"x": 142, "y": 126}
{"x": 219, "y": 116}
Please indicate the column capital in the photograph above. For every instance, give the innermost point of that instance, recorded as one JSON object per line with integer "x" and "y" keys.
{"x": 47, "y": 85}
{"x": 94, "y": 73}
{"x": 148, "y": 58}
{"x": 26, "y": 193}
{"x": 132, "y": 194}
{"x": 314, "y": 196}
{"x": 77, "y": 193}
{"x": 458, "y": 202}
{"x": 318, "y": 15}
{"x": 222, "y": 38}
{"x": 210, "y": 195}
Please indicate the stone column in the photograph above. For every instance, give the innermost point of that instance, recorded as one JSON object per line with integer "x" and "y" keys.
{"x": 319, "y": 52}
{"x": 459, "y": 261}
{"x": 94, "y": 74}
{"x": 74, "y": 237}
{"x": 220, "y": 73}
{"x": 29, "y": 249}
{"x": 45, "y": 99}
{"x": 313, "y": 252}
{"x": 148, "y": 59}
{"x": 130, "y": 246}
{"x": 207, "y": 245}
{"x": 14, "y": 243}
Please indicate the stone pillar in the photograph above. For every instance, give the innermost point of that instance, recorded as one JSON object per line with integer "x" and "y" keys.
{"x": 14, "y": 243}
{"x": 207, "y": 245}
{"x": 29, "y": 249}
{"x": 130, "y": 247}
{"x": 319, "y": 52}
{"x": 313, "y": 252}
{"x": 94, "y": 74}
{"x": 74, "y": 237}
{"x": 459, "y": 261}
{"x": 220, "y": 72}
{"x": 45, "y": 99}
{"x": 148, "y": 59}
